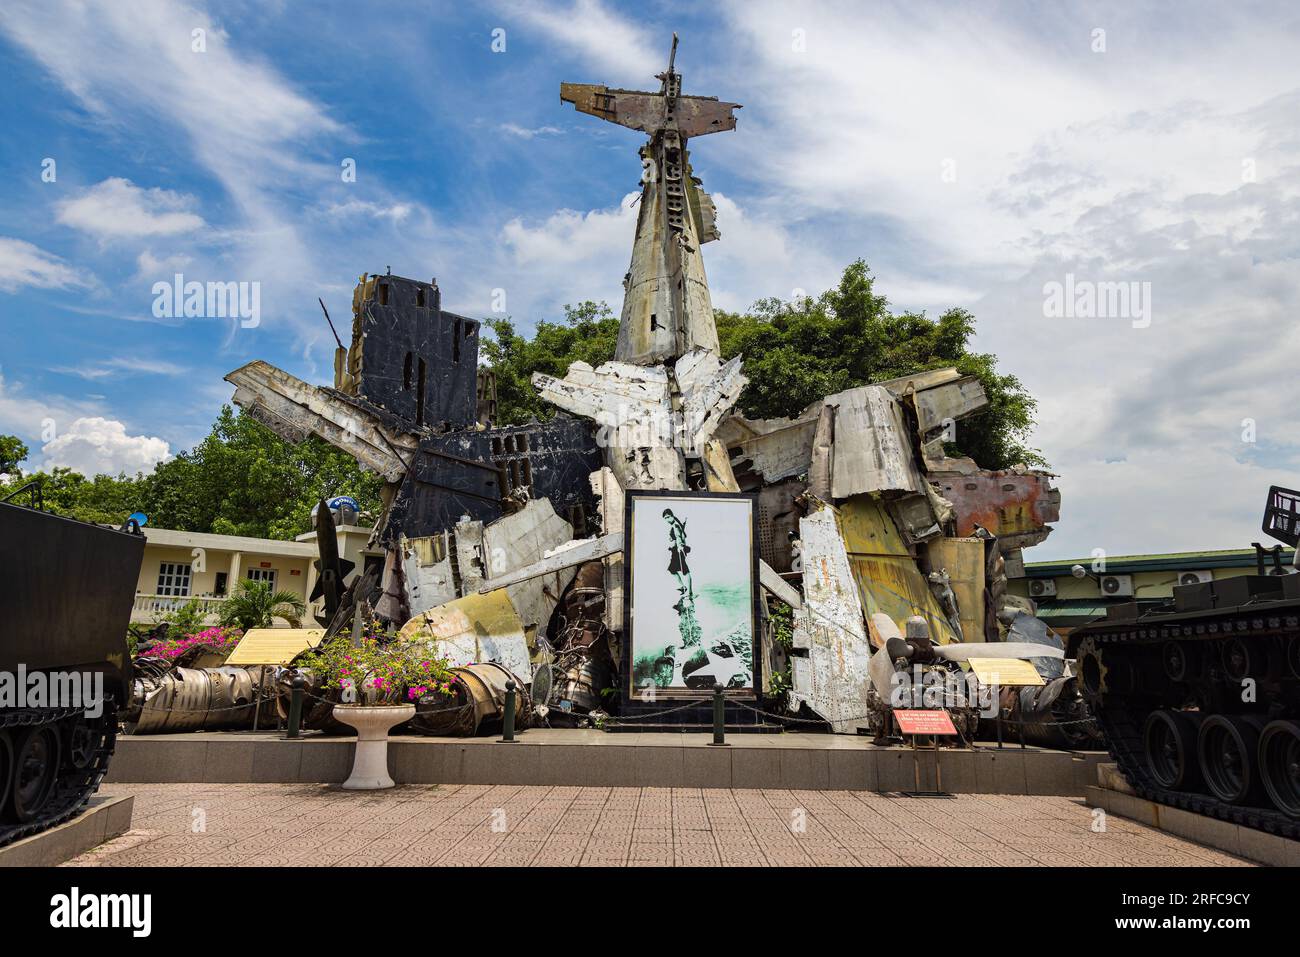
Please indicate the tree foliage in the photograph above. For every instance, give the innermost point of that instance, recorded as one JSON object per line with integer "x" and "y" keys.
{"x": 242, "y": 479}
{"x": 588, "y": 333}
{"x": 253, "y": 604}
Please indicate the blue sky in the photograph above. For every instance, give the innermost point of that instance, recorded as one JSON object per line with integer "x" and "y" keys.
{"x": 969, "y": 155}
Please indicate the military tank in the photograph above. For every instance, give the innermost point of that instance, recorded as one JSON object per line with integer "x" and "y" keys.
{"x": 66, "y": 589}
{"x": 1200, "y": 700}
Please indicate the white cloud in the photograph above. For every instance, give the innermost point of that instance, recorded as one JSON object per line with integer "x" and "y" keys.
{"x": 122, "y": 365}
{"x": 117, "y": 208}
{"x": 613, "y": 44}
{"x": 99, "y": 446}
{"x": 22, "y": 264}
{"x": 526, "y": 133}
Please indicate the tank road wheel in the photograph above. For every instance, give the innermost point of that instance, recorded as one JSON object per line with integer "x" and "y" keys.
{"x": 1240, "y": 660}
{"x": 1228, "y": 746}
{"x": 36, "y": 768}
{"x": 1292, "y": 654}
{"x": 1279, "y": 765}
{"x": 1170, "y": 739}
{"x": 6, "y": 767}
{"x": 82, "y": 742}
{"x": 1179, "y": 660}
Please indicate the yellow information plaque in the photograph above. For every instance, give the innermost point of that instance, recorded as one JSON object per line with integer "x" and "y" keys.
{"x": 1005, "y": 672}
{"x": 274, "y": 646}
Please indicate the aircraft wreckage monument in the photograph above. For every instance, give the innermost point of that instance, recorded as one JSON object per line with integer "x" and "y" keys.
{"x": 645, "y": 538}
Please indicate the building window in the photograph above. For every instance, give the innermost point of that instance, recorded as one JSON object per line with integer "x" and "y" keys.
{"x": 174, "y": 579}
{"x": 263, "y": 575}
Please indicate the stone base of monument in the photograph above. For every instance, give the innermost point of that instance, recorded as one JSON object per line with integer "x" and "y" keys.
{"x": 565, "y": 757}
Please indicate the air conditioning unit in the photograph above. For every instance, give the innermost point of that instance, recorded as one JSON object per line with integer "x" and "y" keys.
{"x": 1041, "y": 588}
{"x": 1194, "y": 578}
{"x": 1117, "y": 586}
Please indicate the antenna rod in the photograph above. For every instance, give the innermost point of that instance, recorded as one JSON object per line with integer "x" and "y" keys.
{"x": 330, "y": 321}
{"x": 672, "y": 57}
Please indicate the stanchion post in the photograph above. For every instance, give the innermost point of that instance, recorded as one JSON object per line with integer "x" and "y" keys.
{"x": 295, "y": 705}
{"x": 719, "y": 718}
{"x": 508, "y": 719}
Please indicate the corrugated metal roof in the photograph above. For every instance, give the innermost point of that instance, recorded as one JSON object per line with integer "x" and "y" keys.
{"x": 1171, "y": 561}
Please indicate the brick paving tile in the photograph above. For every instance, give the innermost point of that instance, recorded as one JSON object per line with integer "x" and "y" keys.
{"x": 469, "y": 825}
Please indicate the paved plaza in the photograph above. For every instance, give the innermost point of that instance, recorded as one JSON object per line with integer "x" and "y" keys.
{"x": 457, "y": 825}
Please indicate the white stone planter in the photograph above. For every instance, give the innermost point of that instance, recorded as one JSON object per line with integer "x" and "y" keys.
{"x": 370, "y": 766}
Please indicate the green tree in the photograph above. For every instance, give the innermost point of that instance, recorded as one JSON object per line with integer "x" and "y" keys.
{"x": 254, "y": 605}
{"x": 243, "y": 479}
{"x": 12, "y": 452}
{"x": 589, "y": 333}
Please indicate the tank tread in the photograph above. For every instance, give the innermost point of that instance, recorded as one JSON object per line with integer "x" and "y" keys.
{"x": 1124, "y": 741}
{"x": 1122, "y": 725}
{"x": 74, "y": 787}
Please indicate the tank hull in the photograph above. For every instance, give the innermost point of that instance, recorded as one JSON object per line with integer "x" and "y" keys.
{"x": 66, "y": 590}
{"x": 1201, "y": 709}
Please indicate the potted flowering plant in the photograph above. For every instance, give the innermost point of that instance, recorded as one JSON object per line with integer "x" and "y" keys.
{"x": 379, "y": 682}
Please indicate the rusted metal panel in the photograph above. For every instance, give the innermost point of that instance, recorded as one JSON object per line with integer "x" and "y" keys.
{"x": 962, "y": 559}
{"x": 428, "y": 568}
{"x": 1015, "y": 506}
{"x": 831, "y": 677}
{"x": 918, "y": 382}
{"x": 519, "y": 540}
{"x": 778, "y": 522}
{"x": 773, "y": 449}
{"x": 872, "y": 449}
{"x": 472, "y": 629}
{"x": 885, "y": 570}
{"x": 709, "y": 388}
{"x": 610, "y": 504}
{"x": 717, "y": 468}
{"x": 770, "y": 579}
{"x": 569, "y": 555}
{"x": 955, "y": 400}
{"x": 294, "y": 410}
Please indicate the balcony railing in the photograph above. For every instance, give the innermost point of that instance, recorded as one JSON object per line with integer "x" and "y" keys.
{"x": 154, "y": 607}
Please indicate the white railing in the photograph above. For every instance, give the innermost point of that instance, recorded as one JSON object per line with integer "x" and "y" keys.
{"x": 153, "y": 607}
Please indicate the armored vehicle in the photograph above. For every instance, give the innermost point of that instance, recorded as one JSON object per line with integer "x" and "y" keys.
{"x": 1200, "y": 700}
{"x": 66, "y": 589}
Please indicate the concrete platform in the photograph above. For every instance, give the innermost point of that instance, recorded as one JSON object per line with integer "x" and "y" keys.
{"x": 812, "y": 762}
{"x": 104, "y": 818}
{"x": 1114, "y": 796}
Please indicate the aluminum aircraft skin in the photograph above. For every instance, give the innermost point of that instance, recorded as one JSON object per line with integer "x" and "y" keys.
{"x": 667, "y": 310}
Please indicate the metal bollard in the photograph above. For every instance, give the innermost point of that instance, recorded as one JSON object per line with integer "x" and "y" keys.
{"x": 719, "y": 718}
{"x": 508, "y": 719}
{"x": 295, "y": 705}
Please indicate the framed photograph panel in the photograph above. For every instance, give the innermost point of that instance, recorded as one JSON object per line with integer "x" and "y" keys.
{"x": 691, "y": 593}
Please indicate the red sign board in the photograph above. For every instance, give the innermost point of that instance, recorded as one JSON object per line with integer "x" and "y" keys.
{"x": 916, "y": 721}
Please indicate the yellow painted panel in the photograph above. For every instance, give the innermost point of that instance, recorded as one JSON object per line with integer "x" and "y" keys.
{"x": 1005, "y": 672}
{"x": 963, "y": 559}
{"x": 885, "y": 571}
{"x": 274, "y": 646}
